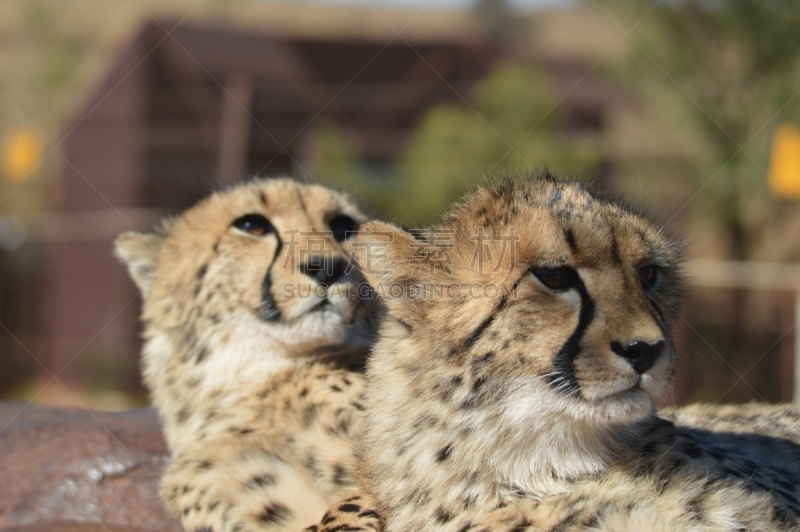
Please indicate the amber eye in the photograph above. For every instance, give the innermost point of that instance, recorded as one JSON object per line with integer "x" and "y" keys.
{"x": 558, "y": 279}
{"x": 650, "y": 277}
{"x": 343, "y": 227}
{"x": 253, "y": 224}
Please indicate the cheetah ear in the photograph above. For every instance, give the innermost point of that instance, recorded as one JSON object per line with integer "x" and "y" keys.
{"x": 141, "y": 253}
{"x": 385, "y": 254}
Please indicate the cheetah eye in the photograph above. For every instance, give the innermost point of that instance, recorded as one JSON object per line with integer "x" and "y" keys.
{"x": 253, "y": 224}
{"x": 343, "y": 227}
{"x": 651, "y": 278}
{"x": 558, "y": 279}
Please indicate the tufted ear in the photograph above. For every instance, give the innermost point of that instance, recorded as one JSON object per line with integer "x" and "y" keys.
{"x": 389, "y": 257}
{"x": 141, "y": 253}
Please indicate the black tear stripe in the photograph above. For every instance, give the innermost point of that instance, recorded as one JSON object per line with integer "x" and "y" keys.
{"x": 564, "y": 361}
{"x": 268, "y": 310}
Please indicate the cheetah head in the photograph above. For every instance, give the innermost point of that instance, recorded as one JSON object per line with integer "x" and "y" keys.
{"x": 532, "y": 295}
{"x": 249, "y": 280}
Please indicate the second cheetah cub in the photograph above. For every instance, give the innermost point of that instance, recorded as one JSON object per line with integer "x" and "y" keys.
{"x": 514, "y": 381}
{"x": 252, "y": 320}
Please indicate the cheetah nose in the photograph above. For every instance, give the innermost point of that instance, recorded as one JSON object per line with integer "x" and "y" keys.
{"x": 324, "y": 270}
{"x": 640, "y": 355}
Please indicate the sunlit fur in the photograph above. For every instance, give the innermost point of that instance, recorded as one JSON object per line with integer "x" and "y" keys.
{"x": 514, "y": 412}
{"x": 251, "y": 382}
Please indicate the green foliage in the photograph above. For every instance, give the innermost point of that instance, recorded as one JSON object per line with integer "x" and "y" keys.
{"x": 499, "y": 21}
{"x": 60, "y": 66}
{"x": 735, "y": 66}
{"x": 337, "y": 164}
{"x": 510, "y": 129}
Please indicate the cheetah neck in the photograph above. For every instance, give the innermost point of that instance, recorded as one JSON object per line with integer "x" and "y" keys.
{"x": 520, "y": 441}
{"x": 542, "y": 442}
{"x": 187, "y": 377}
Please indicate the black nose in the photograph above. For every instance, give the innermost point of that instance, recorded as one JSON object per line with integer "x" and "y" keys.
{"x": 324, "y": 269}
{"x": 640, "y": 355}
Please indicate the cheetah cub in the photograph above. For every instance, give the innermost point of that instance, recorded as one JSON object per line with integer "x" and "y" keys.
{"x": 252, "y": 319}
{"x": 513, "y": 383}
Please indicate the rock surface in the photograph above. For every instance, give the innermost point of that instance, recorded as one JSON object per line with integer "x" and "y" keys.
{"x": 70, "y": 470}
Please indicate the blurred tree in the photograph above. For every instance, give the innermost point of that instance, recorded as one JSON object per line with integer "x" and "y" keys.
{"x": 336, "y": 164}
{"x": 511, "y": 128}
{"x": 736, "y": 67}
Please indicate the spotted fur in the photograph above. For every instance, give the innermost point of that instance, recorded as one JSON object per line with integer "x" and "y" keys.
{"x": 353, "y": 514}
{"x": 252, "y": 323}
{"x": 532, "y": 407}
